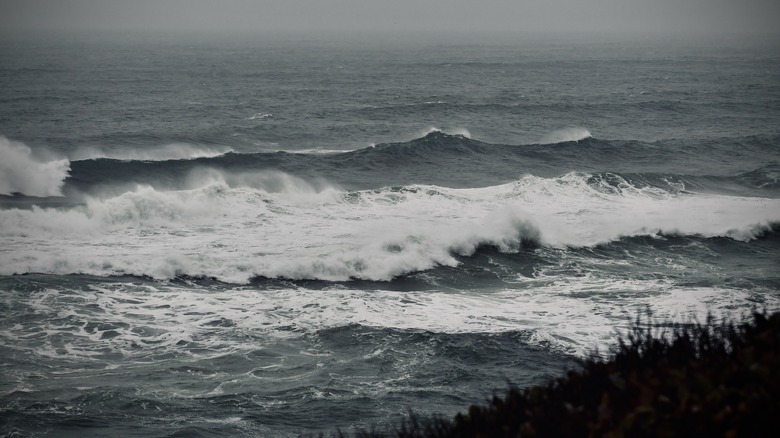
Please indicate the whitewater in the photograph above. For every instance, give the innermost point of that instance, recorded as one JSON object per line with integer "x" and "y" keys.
{"x": 240, "y": 232}
{"x": 328, "y": 236}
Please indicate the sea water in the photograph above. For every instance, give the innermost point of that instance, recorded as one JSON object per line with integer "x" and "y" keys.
{"x": 254, "y": 236}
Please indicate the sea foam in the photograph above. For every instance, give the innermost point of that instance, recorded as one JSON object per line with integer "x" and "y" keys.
{"x": 21, "y": 171}
{"x": 238, "y": 227}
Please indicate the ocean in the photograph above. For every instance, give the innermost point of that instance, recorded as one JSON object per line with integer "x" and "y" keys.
{"x": 254, "y": 236}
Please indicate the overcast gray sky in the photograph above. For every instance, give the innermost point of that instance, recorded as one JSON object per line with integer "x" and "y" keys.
{"x": 720, "y": 16}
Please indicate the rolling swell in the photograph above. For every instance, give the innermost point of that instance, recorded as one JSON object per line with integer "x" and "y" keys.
{"x": 457, "y": 161}
{"x": 363, "y": 215}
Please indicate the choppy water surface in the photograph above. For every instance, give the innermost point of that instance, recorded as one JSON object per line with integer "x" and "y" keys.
{"x": 275, "y": 237}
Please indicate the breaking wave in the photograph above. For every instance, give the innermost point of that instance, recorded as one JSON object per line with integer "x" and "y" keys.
{"x": 21, "y": 171}
{"x": 460, "y": 132}
{"x": 236, "y": 227}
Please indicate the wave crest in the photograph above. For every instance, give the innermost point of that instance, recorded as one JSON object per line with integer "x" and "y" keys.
{"x": 458, "y": 131}
{"x": 167, "y": 152}
{"x": 565, "y": 135}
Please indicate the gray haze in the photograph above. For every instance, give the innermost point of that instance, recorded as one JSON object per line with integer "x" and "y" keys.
{"x": 265, "y": 16}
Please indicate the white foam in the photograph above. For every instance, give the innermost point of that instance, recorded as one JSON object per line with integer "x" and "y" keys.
{"x": 21, "y": 171}
{"x": 572, "y": 315}
{"x": 260, "y": 116}
{"x": 573, "y": 133}
{"x": 238, "y": 226}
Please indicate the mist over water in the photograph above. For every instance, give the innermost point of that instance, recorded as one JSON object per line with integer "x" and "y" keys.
{"x": 268, "y": 17}
{"x": 274, "y": 237}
